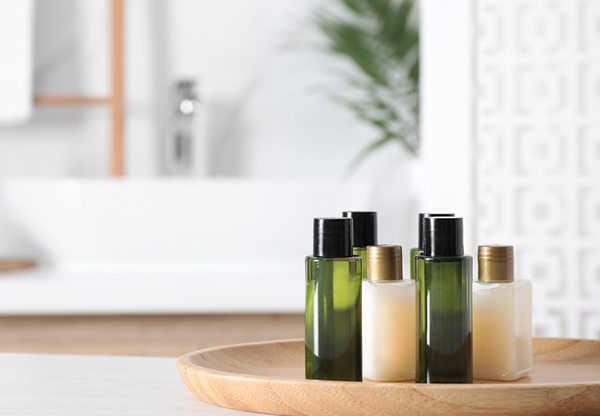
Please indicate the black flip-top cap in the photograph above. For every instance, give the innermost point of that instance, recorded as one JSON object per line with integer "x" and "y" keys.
{"x": 332, "y": 237}
{"x": 365, "y": 227}
{"x": 443, "y": 236}
{"x": 422, "y": 217}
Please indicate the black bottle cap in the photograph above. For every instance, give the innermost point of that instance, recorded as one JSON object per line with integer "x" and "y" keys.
{"x": 443, "y": 236}
{"x": 422, "y": 217}
{"x": 365, "y": 227}
{"x": 332, "y": 237}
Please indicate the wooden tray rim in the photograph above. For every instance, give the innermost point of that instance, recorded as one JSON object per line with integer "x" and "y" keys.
{"x": 184, "y": 361}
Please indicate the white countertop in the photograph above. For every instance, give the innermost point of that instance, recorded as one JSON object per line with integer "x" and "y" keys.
{"x": 43, "y": 384}
{"x": 48, "y": 291}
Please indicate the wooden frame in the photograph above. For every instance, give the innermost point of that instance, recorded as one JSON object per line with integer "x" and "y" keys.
{"x": 116, "y": 100}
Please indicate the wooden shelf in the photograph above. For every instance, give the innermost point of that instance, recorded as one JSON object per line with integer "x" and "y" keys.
{"x": 71, "y": 100}
{"x": 116, "y": 102}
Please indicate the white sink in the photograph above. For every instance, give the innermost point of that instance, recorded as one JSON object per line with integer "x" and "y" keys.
{"x": 174, "y": 225}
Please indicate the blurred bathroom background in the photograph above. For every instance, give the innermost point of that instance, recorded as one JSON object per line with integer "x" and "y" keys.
{"x": 509, "y": 139}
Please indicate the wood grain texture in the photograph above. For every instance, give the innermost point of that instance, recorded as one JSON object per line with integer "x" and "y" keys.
{"x": 269, "y": 378}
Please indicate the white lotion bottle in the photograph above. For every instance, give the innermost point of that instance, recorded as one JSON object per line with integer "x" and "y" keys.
{"x": 501, "y": 317}
{"x": 388, "y": 317}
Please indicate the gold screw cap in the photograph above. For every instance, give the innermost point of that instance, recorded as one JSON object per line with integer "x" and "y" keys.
{"x": 496, "y": 263}
{"x": 384, "y": 263}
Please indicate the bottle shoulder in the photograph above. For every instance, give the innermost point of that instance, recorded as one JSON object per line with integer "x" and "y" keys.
{"x": 520, "y": 284}
{"x": 388, "y": 283}
{"x": 428, "y": 259}
{"x": 314, "y": 259}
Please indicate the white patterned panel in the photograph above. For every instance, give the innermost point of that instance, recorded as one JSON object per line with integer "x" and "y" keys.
{"x": 541, "y": 27}
{"x": 590, "y": 26}
{"x": 590, "y": 151}
{"x": 541, "y": 212}
{"x": 490, "y": 28}
{"x": 540, "y": 89}
{"x": 490, "y": 150}
{"x": 490, "y": 92}
{"x": 590, "y": 269}
{"x": 554, "y": 322}
{"x": 537, "y": 151}
{"x": 590, "y": 324}
{"x": 590, "y": 88}
{"x": 590, "y": 212}
{"x": 541, "y": 150}
{"x": 490, "y": 213}
{"x": 546, "y": 270}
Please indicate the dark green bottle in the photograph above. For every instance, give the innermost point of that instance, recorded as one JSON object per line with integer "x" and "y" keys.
{"x": 364, "y": 234}
{"x": 444, "y": 279}
{"x": 333, "y": 304}
{"x": 419, "y": 248}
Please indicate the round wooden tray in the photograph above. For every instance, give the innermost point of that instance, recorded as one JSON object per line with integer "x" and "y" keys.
{"x": 269, "y": 378}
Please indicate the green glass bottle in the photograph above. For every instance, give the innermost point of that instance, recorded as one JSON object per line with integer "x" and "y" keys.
{"x": 444, "y": 302}
{"x": 333, "y": 304}
{"x": 419, "y": 249}
{"x": 364, "y": 234}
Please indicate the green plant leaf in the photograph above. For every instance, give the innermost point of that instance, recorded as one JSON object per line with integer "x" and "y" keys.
{"x": 397, "y": 20}
{"x": 381, "y": 40}
{"x": 348, "y": 39}
{"x": 413, "y": 73}
{"x": 356, "y": 6}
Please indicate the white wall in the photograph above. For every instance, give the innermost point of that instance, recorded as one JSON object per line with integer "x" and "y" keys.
{"x": 445, "y": 176}
{"x": 69, "y": 55}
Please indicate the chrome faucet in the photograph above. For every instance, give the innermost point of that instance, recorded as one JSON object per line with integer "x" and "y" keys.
{"x": 179, "y": 141}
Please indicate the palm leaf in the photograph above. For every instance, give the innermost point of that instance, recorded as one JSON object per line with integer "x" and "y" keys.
{"x": 381, "y": 41}
{"x": 350, "y": 40}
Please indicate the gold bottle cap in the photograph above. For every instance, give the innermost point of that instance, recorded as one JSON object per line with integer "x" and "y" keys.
{"x": 496, "y": 263}
{"x": 384, "y": 263}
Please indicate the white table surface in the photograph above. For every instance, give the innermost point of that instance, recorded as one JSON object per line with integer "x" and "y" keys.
{"x": 49, "y": 291}
{"x": 48, "y": 384}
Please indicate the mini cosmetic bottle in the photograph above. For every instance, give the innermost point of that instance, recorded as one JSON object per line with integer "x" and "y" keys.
{"x": 333, "y": 304}
{"x": 365, "y": 234}
{"x": 444, "y": 295}
{"x": 501, "y": 317}
{"x": 389, "y": 328}
{"x": 419, "y": 249}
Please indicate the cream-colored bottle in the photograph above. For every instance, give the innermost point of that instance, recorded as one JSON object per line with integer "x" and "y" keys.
{"x": 501, "y": 317}
{"x": 388, "y": 317}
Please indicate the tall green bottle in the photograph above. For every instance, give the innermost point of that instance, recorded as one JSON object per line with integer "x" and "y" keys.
{"x": 333, "y": 304}
{"x": 444, "y": 299}
{"x": 414, "y": 252}
{"x": 364, "y": 234}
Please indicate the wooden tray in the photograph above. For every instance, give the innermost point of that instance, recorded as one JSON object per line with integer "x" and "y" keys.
{"x": 269, "y": 378}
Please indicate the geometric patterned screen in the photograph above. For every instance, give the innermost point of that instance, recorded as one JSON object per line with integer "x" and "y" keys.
{"x": 537, "y": 158}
